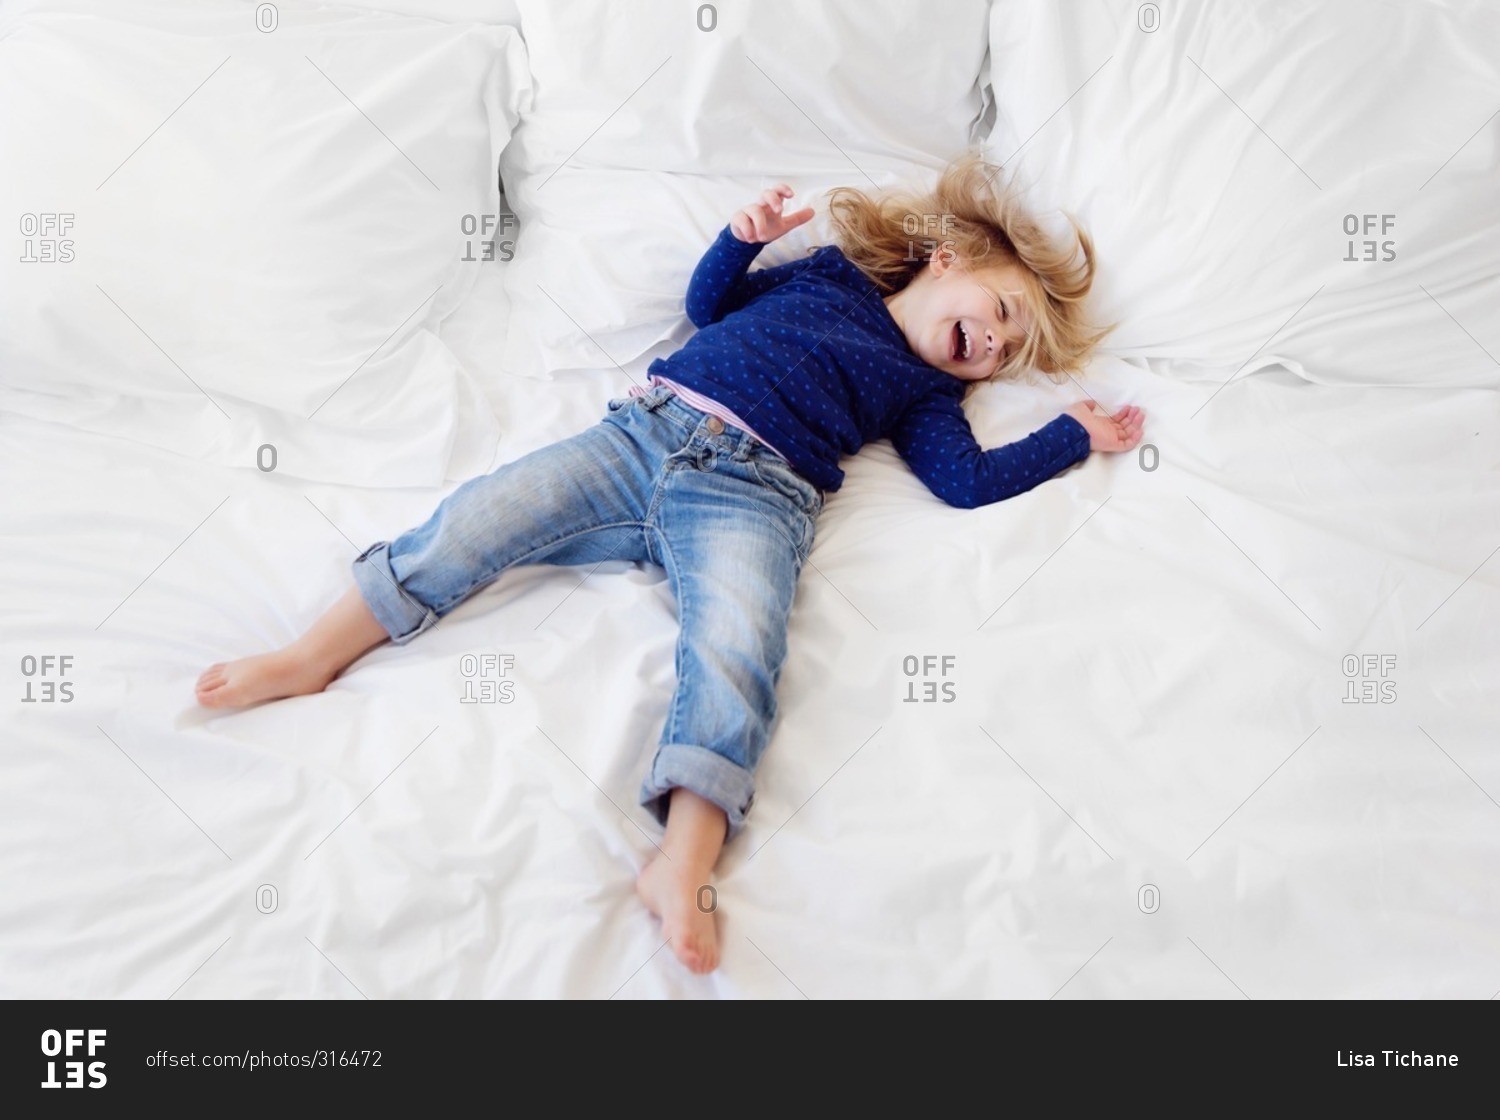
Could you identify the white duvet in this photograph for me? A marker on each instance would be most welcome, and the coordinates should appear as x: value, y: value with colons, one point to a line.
x: 1221, y: 721
x: 1149, y: 682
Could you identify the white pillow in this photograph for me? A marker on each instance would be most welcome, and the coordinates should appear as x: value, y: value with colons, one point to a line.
x: 265, y: 230
x: 1211, y: 238
x: 449, y: 11
x: 647, y: 132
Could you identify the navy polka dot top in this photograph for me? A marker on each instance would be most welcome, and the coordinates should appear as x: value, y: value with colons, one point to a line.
x: 809, y: 356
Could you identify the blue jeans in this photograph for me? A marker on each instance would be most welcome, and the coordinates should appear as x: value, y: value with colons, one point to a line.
x: 655, y: 480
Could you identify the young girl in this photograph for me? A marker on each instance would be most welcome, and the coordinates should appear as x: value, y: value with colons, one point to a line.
x: 718, y: 471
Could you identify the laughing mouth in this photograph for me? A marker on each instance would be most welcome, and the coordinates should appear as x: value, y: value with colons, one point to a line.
x: 962, y: 344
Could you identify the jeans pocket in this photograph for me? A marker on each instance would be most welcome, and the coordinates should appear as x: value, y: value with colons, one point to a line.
x: 776, y: 473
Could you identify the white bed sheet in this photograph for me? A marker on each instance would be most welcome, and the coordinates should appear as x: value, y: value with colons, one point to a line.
x: 1141, y: 657
x: 1149, y: 681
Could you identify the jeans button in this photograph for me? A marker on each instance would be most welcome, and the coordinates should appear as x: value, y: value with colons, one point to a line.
x: 715, y: 425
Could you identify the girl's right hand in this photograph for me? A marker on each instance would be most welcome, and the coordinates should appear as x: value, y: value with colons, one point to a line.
x: 763, y: 222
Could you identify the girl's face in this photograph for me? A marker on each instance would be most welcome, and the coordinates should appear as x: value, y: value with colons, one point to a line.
x: 963, y: 323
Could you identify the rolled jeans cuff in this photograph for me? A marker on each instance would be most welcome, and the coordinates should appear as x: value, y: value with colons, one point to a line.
x: 401, y: 615
x: 711, y: 776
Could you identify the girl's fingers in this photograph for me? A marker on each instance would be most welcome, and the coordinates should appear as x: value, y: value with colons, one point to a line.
x: 766, y: 219
x: 1120, y: 430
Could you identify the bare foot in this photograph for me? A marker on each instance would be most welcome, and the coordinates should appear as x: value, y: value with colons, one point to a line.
x: 672, y: 893
x: 268, y: 676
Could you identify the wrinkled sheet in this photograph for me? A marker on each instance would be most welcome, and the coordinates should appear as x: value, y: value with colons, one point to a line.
x: 1148, y: 681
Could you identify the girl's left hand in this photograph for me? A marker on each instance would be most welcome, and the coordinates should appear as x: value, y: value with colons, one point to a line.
x: 1120, y: 432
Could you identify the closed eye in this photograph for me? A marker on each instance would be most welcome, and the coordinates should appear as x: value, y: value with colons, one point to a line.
x: 1000, y: 306
x: 998, y: 302
x: 1004, y: 312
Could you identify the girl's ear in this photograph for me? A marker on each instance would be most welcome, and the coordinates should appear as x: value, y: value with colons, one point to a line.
x: 943, y: 258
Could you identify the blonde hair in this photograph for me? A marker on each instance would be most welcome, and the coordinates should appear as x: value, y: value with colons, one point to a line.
x: 979, y: 221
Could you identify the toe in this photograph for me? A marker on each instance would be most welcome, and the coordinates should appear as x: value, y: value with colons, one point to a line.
x: 705, y: 952
x: 694, y: 960
x: 216, y: 697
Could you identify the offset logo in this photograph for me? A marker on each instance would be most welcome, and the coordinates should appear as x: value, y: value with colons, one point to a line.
x: 1369, y: 225
x: 1371, y: 689
x: 928, y: 667
x: 492, y: 246
x: 74, y: 1045
x: 937, y: 228
x: 488, y: 671
x: 47, y: 691
x: 46, y: 238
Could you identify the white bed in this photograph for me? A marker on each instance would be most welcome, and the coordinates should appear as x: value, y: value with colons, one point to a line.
x: 1148, y: 784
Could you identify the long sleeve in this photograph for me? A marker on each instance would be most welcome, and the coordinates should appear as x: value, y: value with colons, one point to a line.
x: 722, y: 282
x: 935, y: 439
